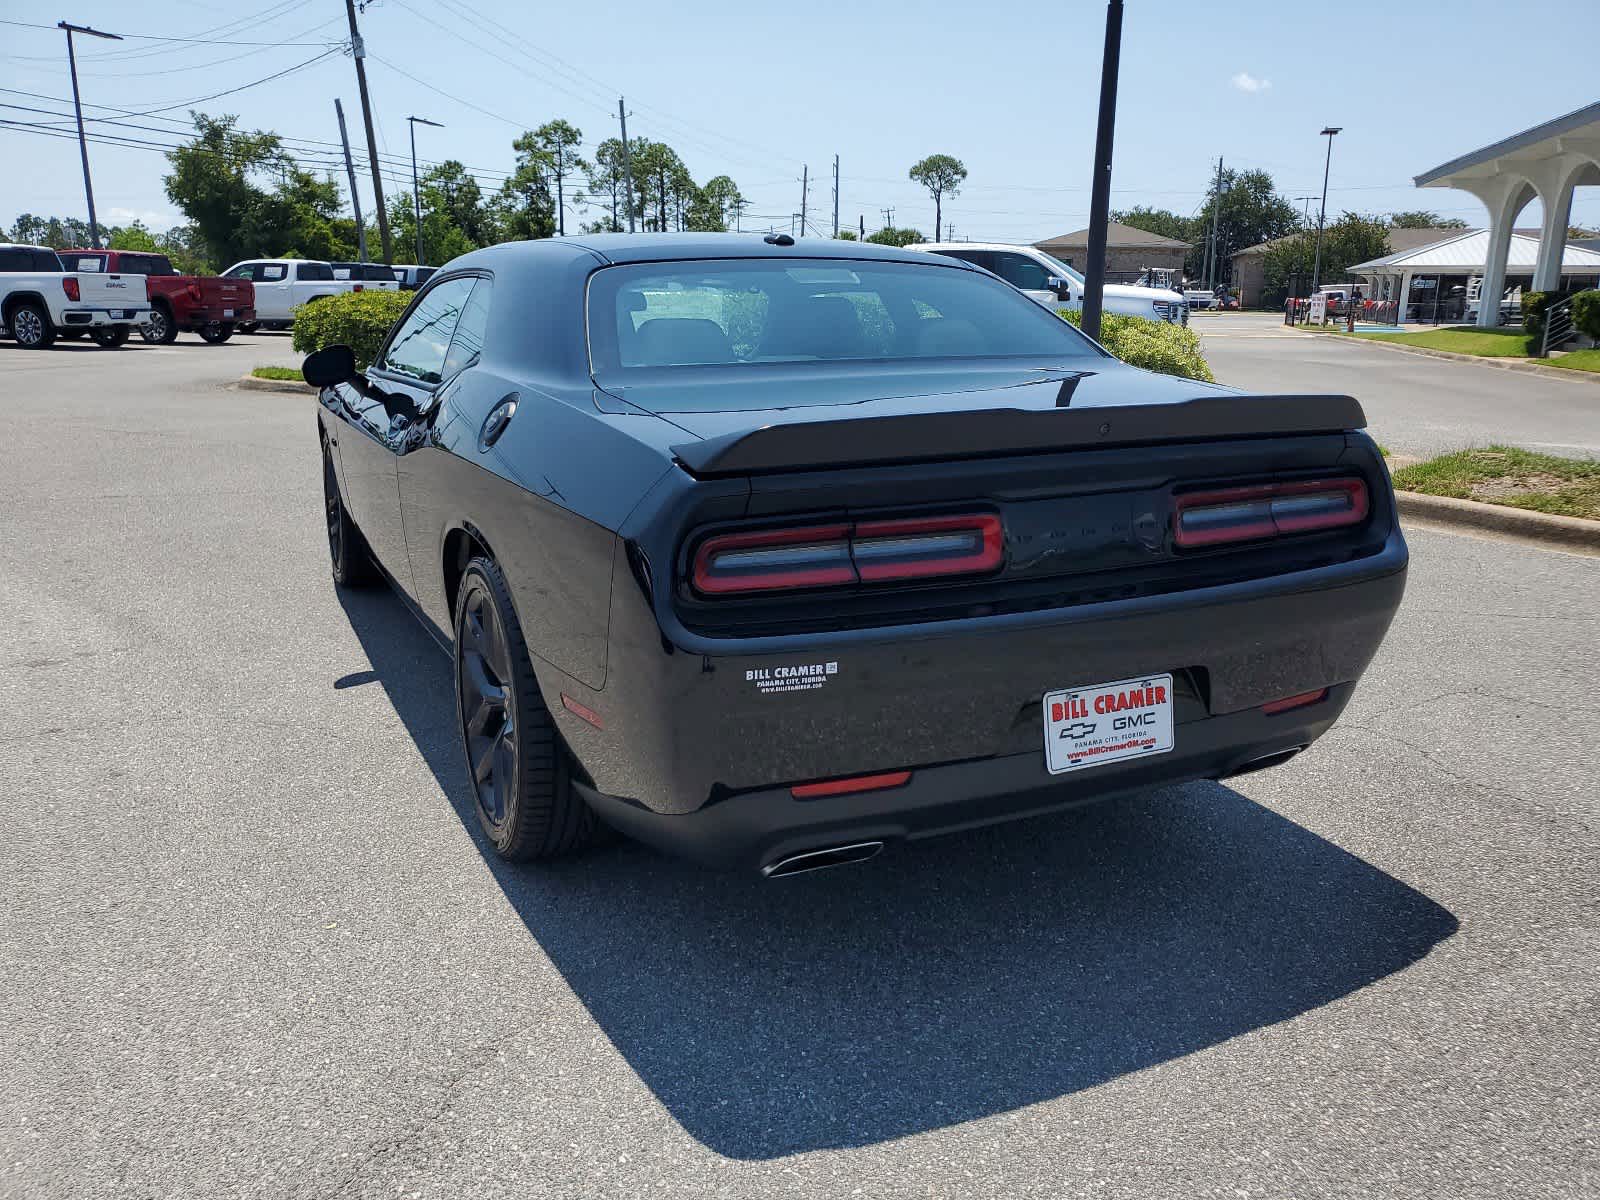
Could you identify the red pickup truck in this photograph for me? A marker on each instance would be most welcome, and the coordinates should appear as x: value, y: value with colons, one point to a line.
x: 205, y: 304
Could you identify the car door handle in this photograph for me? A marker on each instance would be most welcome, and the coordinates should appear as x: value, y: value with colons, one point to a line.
x: 495, y: 423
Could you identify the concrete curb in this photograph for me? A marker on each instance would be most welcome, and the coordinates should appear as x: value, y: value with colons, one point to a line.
x: 1503, y: 364
x: 1573, y: 534
x: 249, y: 383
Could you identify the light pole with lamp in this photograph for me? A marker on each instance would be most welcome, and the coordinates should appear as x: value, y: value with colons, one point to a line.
x: 1322, y: 214
x: 77, y: 106
x: 416, y: 194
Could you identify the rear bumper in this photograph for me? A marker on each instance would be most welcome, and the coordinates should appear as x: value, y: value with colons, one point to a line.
x: 214, y: 315
x: 754, y: 830
x: 691, y: 726
x: 83, y: 318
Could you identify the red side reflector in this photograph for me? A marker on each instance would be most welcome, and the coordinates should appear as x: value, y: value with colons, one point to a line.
x: 582, y: 711
x: 1288, y: 702
x: 856, y: 783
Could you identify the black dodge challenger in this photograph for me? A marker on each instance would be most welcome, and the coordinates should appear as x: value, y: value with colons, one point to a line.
x: 773, y: 553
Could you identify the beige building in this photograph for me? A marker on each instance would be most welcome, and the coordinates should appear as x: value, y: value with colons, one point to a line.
x: 1128, y: 251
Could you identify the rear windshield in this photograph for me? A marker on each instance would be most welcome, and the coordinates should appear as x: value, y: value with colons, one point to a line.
x: 144, y: 264
x: 724, y: 313
x: 71, y: 261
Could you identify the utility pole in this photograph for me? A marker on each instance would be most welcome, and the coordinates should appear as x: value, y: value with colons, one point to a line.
x: 862, y: 218
x: 1216, y: 213
x: 836, y: 196
x: 561, y: 174
x: 888, y: 219
x: 805, y: 182
x: 416, y: 194
x: 350, y: 170
x: 1322, y: 214
x: 1100, y: 198
x: 627, y: 164
x: 359, y: 50
x: 949, y: 231
x: 77, y: 107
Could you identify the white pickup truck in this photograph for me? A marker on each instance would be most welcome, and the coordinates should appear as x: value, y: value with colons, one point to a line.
x: 282, y: 284
x: 40, y: 302
x: 1055, y: 284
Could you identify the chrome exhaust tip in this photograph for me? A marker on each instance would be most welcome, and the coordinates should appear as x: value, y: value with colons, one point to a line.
x: 817, y: 860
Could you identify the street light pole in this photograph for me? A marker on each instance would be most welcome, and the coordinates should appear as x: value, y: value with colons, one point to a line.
x: 416, y: 194
x: 1322, y: 214
x: 77, y: 107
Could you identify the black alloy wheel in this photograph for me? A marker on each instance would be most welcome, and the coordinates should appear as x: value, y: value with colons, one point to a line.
x: 352, y: 562
x: 517, y: 765
x: 215, y: 333
x: 111, y: 337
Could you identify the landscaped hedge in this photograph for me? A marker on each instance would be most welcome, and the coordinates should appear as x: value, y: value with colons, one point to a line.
x: 360, y: 320
x: 1533, y: 309
x: 1153, y: 345
x: 1586, y: 313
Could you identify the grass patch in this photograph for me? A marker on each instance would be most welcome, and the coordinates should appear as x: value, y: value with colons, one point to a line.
x: 1506, y: 475
x: 1462, y: 339
x: 289, y: 373
x: 1578, y: 360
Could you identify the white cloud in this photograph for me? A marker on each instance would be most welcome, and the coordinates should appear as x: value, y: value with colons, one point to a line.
x: 1247, y: 82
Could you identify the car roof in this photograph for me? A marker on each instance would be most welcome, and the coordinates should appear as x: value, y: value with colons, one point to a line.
x: 671, y: 247
x: 925, y: 246
x: 26, y: 246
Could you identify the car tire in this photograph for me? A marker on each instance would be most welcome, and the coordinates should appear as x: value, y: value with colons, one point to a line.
x: 215, y: 333
x: 111, y: 337
x: 160, y: 329
x: 347, y: 549
x: 69, y: 335
x: 518, y: 768
x: 31, y: 327
x: 245, y: 327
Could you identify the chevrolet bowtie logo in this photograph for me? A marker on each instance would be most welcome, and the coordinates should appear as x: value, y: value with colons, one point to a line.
x: 1078, y: 729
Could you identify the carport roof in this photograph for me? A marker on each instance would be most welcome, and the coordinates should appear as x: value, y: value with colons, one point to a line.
x: 1469, y: 251
x: 1542, y: 141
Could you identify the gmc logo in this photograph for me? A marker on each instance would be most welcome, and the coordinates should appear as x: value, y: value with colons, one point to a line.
x: 1135, y: 721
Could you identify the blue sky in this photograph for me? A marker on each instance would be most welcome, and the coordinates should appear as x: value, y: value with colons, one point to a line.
x: 758, y: 91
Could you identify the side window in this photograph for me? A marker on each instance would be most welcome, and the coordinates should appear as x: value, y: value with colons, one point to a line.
x: 242, y: 271
x: 271, y: 272
x: 314, y: 271
x: 47, y: 260
x: 417, y: 350
x: 14, y: 261
x: 1021, y: 272
x: 468, y: 341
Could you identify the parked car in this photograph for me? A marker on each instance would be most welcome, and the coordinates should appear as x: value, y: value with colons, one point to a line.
x: 282, y: 284
x: 772, y: 553
x: 1054, y: 284
x: 411, y: 276
x: 372, y: 277
x: 40, y: 301
x: 1199, y: 298
x: 208, y: 305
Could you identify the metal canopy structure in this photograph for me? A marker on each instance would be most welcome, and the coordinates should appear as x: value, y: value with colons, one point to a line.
x: 1547, y: 161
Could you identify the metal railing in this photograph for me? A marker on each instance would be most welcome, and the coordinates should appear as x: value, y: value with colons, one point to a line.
x: 1557, y: 327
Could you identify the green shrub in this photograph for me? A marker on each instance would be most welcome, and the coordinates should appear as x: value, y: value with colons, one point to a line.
x: 360, y: 320
x: 1533, y: 309
x: 1154, y: 345
x: 1586, y: 313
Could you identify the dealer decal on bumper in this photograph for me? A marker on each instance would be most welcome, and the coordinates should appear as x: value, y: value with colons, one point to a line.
x: 800, y: 677
x: 1107, y: 723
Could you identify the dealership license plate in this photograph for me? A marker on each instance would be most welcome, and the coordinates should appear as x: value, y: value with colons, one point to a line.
x: 1109, y: 722
x: 117, y: 314
x: 227, y: 312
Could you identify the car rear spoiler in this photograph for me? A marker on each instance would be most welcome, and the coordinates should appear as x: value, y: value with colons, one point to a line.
x: 980, y: 433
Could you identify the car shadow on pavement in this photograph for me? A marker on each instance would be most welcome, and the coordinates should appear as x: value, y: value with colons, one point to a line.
x: 947, y: 980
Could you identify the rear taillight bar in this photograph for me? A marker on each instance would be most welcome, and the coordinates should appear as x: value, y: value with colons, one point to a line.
x: 838, y: 555
x: 1267, y: 510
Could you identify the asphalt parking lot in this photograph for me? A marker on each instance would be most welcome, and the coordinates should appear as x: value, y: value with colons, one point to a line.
x: 252, y: 944
x: 1416, y: 404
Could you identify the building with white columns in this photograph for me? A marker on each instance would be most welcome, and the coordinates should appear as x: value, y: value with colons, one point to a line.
x: 1548, y: 161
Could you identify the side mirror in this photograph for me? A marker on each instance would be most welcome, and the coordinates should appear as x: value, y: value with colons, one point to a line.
x: 328, y: 366
x: 1061, y: 287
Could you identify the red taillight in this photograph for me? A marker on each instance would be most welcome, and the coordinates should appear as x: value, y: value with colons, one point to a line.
x: 194, y: 292
x: 855, y: 783
x: 69, y: 285
x: 818, y: 556
x: 358, y: 287
x: 1288, y: 702
x: 1267, y: 510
